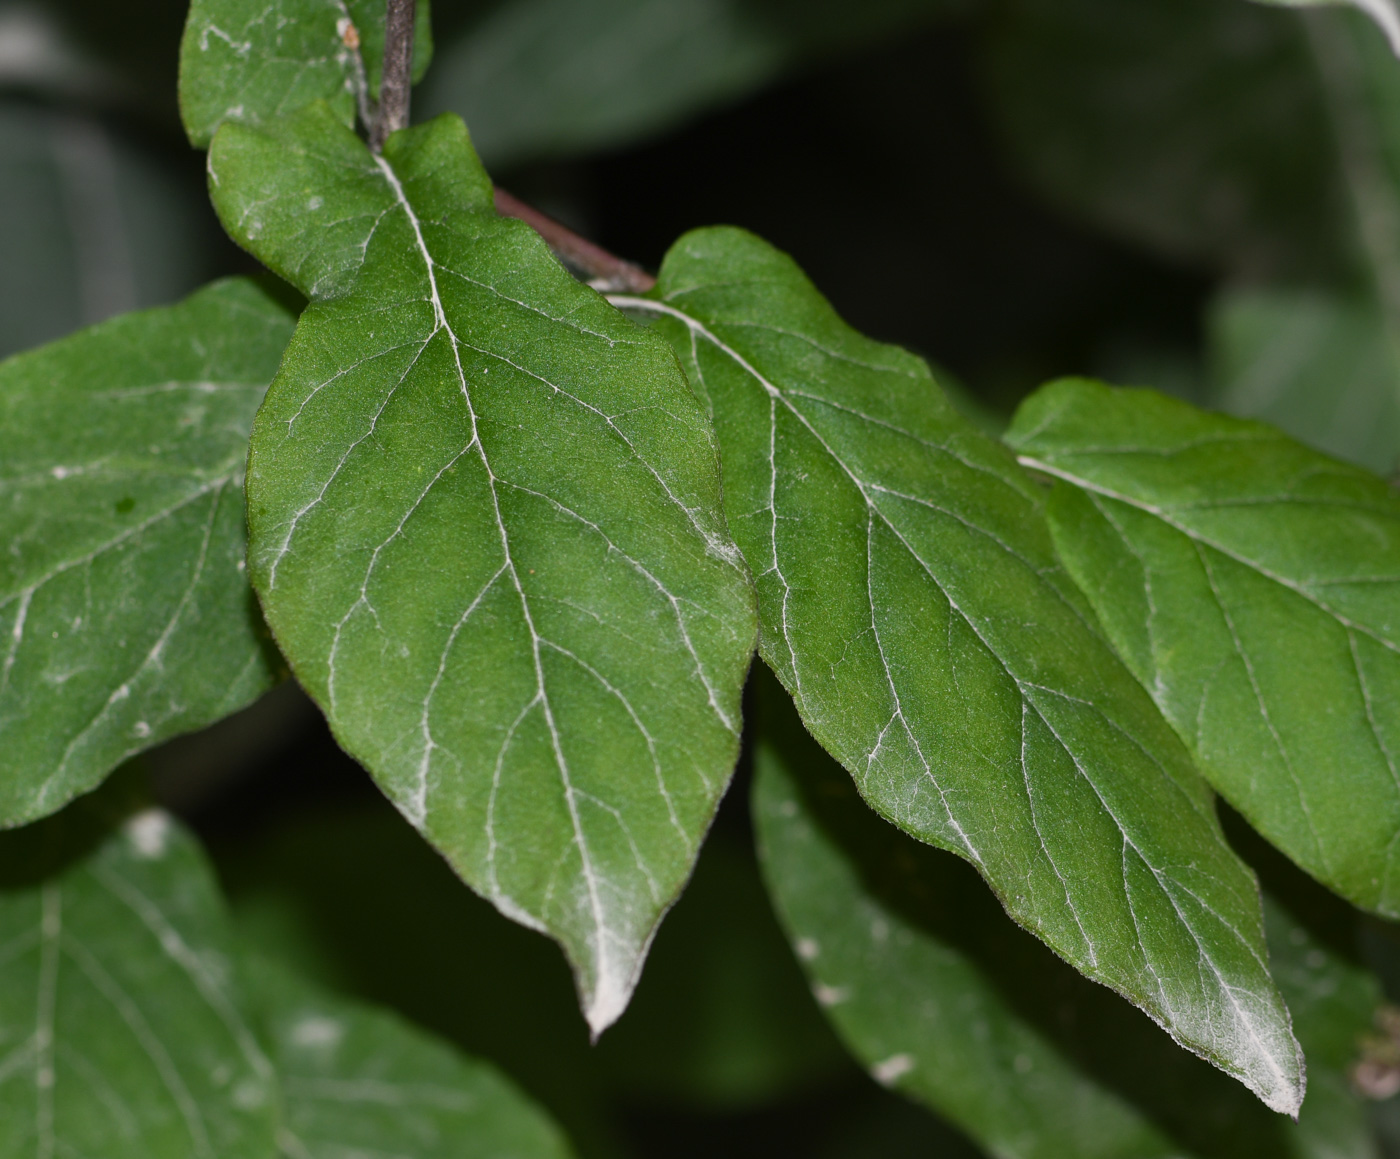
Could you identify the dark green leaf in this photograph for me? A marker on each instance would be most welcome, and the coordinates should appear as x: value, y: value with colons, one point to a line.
x: 1251, y: 585
x: 1322, y: 366
x: 122, y: 1027
x: 914, y: 1009
x: 486, y: 529
x: 911, y: 602
x: 250, y: 60
x: 1383, y: 12
x: 358, y: 1081
x: 125, y: 611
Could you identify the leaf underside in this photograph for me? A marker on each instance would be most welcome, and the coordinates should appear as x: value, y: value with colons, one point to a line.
x: 486, y: 529
x: 911, y: 602
x: 359, y: 1081
x: 253, y: 60
x: 125, y: 611
x: 124, y: 1032
x: 1253, y: 586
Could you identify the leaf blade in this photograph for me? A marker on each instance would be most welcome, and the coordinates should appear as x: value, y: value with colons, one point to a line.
x: 1262, y: 567
x: 910, y: 601
x: 124, y: 607
x: 546, y: 498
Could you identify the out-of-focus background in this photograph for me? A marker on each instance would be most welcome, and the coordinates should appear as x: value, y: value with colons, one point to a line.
x: 1202, y: 196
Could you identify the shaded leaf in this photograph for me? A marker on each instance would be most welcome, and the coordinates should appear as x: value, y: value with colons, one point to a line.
x: 911, y: 602
x: 1383, y: 12
x: 90, y: 226
x: 357, y: 1081
x: 550, y: 77
x: 1320, y: 365
x: 251, y: 60
x: 1251, y: 585
x: 916, y: 1010
x: 486, y: 530
x: 125, y: 612
x: 1196, y: 126
x: 123, y: 1028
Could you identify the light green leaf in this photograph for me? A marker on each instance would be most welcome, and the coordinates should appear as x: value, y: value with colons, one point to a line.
x: 551, y: 77
x: 1251, y: 585
x: 486, y: 530
x: 125, y: 612
x: 1383, y: 12
x: 122, y: 1027
x: 911, y: 602
x: 916, y: 1010
x: 1320, y: 365
x: 251, y: 60
x: 359, y: 1081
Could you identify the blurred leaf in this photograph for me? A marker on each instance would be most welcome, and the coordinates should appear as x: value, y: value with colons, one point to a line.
x: 1196, y: 126
x: 246, y: 61
x: 1322, y: 366
x: 1251, y: 585
x: 124, y: 603
x: 911, y: 601
x: 124, y: 1030
x: 913, y: 1009
x: 90, y: 226
x: 1383, y: 12
x: 536, y: 636
x: 552, y: 77
x: 358, y: 1081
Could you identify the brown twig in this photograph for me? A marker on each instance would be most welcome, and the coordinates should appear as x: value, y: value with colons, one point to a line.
x: 396, y: 79
x: 604, y: 270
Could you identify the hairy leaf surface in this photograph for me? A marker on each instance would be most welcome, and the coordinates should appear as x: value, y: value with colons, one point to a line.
x: 911, y: 602
x: 1253, y: 586
x: 123, y: 1029
x: 360, y: 1081
x: 915, y: 1009
x: 486, y: 528
x: 125, y: 611
x: 251, y: 60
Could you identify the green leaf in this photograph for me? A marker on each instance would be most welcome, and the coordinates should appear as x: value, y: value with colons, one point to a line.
x: 1383, y: 12
x: 911, y: 602
x: 251, y: 60
x: 1322, y: 366
x: 915, y: 1009
x: 552, y: 77
x: 486, y: 528
x: 125, y: 611
x: 359, y: 1081
x: 123, y: 1029
x: 1251, y: 585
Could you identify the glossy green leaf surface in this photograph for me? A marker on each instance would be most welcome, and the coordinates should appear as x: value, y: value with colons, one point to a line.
x: 125, y: 611
x: 251, y: 60
x: 911, y: 602
x: 486, y: 529
x: 1383, y: 12
x: 359, y: 1081
x: 124, y: 1031
x: 1322, y: 366
x: 1251, y: 585
x: 915, y: 1010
